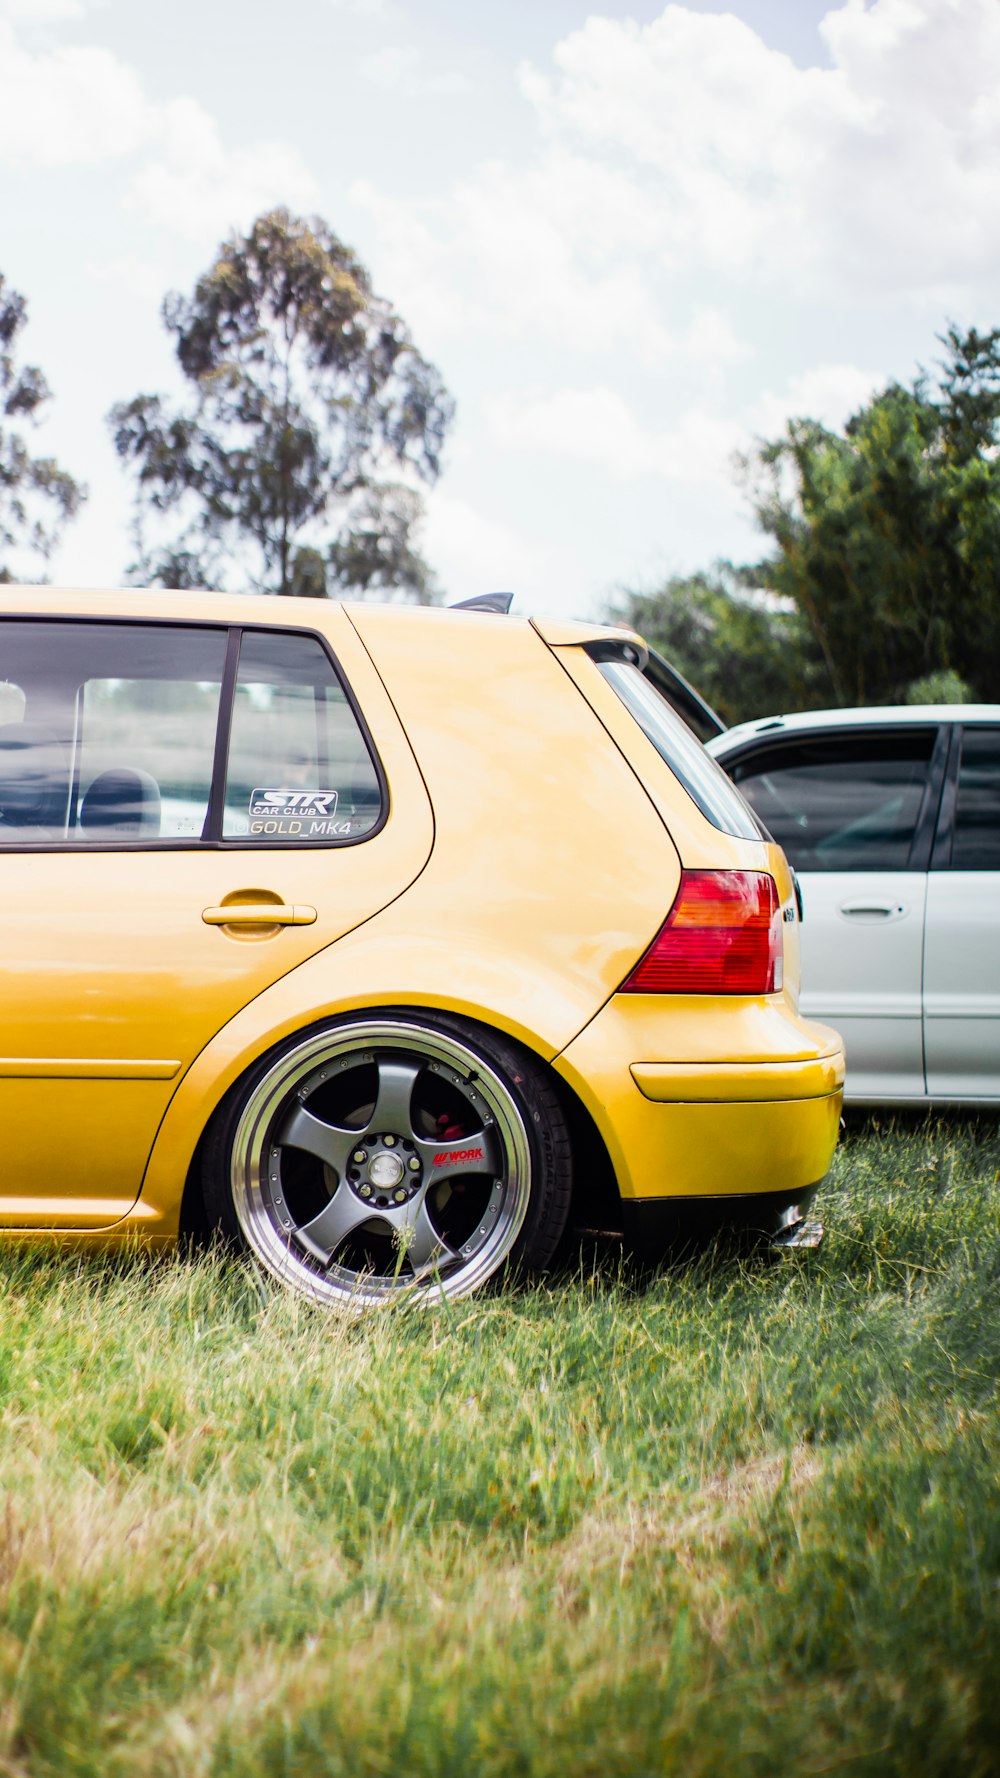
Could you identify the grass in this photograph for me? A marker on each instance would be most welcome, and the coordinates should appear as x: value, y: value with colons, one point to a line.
x: 739, y: 1519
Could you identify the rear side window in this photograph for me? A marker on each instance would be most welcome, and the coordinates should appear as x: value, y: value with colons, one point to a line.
x: 705, y: 782
x: 976, y: 844
x: 117, y: 734
x: 844, y: 802
x: 299, y: 771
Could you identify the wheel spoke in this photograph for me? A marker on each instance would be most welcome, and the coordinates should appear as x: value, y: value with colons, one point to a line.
x: 328, y: 1143
x: 467, y: 1154
x: 396, y: 1081
x: 323, y: 1235
x: 423, y: 1244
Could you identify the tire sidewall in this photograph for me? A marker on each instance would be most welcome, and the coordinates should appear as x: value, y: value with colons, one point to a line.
x: 522, y: 1075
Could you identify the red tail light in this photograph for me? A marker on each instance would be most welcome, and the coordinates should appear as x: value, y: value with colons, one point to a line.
x: 722, y: 936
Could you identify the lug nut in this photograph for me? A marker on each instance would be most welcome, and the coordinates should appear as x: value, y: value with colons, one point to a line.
x: 414, y: 1165
x: 366, y: 1191
x: 389, y: 1141
x: 400, y: 1197
x: 360, y: 1156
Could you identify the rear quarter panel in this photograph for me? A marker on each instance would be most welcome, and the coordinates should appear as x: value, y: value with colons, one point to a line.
x: 549, y: 875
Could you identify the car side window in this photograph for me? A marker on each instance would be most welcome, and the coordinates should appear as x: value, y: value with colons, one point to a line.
x: 841, y: 803
x: 299, y: 769
x: 976, y: 844
x: 107, y: 731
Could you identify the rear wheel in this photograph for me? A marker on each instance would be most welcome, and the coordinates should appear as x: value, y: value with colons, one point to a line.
x: 391, y: 1155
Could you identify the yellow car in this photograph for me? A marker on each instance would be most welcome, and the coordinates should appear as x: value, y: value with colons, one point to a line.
x: 389, y: 941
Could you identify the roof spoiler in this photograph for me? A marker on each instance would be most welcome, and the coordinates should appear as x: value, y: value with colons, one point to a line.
x: 498, y: 602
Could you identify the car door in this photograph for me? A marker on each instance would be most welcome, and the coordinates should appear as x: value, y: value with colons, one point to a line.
x: 187, y: 812
x: 962, y: 944
x: 853, y: 810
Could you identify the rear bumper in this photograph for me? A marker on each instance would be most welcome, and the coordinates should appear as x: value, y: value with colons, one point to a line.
x: 741, y: 1100
x: 739, y: 1082
x: 653, y: 1225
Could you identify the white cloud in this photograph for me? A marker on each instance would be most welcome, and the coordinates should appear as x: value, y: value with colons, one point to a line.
x: 382, y: 10
x: 42, y: 12
x: 884, y: 167
x: 829, y: 393
x: 499, y: 258
x: 73, y: 106
x: 195, y: 185
x: 687, y: 150
x: 140, y: 278
x: 475, y: 553
x: 81, y: 106
x: 400, y: 69
x: 597, y: 427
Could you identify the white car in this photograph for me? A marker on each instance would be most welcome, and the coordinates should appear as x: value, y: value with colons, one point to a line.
x: 891, y: 819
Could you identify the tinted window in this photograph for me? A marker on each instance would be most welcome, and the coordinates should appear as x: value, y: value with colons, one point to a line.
x: 299, y: 770
x: 705, y: 782
x: 107, y: 731
x: 977, y: 815
x: 849, y: 803
x: 139, y: 730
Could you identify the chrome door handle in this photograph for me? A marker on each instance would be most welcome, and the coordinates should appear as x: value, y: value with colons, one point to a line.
x: 260, y: 913
x: 872, y: 910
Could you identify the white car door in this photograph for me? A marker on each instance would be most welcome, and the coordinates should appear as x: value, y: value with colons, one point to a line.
x: 854, y: 812
x: 962, y: 946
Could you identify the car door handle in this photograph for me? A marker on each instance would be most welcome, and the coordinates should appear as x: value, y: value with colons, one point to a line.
x: 867, y: 909
x: 260, y: 913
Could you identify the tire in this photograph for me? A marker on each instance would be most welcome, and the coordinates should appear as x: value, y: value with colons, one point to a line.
x: 388, y: 1156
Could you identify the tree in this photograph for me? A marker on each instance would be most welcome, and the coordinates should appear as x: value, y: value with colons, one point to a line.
x: 884, y: 582
x: 295, y: 467
x: 888, y: 534
x: 36, y: 496
x: 745, y: 652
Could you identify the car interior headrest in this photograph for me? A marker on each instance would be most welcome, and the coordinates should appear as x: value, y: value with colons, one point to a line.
x: 123, y: 800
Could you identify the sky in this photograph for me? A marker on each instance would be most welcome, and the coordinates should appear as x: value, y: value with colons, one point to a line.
x: 632, y: 238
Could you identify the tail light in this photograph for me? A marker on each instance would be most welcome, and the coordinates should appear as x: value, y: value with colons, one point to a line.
x: 722, y: 936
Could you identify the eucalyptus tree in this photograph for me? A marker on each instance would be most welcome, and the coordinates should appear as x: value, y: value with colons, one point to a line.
x: 310, y: 424
x: 36, y: 496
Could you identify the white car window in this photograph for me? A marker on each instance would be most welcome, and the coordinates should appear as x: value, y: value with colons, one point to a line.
x: 845, y: 803
x: 976, y: 845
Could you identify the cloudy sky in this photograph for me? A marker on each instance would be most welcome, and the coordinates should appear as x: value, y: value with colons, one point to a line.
x: 632, y: 237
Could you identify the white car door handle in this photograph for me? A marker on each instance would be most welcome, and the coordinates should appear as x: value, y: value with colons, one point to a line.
x: 867, y: 909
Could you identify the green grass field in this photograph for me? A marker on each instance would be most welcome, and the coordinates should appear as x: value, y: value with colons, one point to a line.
x: 743, y: 1519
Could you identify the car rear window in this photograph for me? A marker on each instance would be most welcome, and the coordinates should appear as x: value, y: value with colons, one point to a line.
x: 705, y: 782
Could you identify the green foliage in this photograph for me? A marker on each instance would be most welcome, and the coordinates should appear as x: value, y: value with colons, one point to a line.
x: 36, y: 496
x: 942, y: 687
x: 884, y: 584
x: 747, y: 653
x: 313, y: 416
x: 888, y: 535
x: 743, y: 1518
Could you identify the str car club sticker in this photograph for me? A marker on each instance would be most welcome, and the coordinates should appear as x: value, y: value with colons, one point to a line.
x: 308, y: 814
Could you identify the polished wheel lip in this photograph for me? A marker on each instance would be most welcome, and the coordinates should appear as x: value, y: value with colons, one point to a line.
x: 253, y: 1145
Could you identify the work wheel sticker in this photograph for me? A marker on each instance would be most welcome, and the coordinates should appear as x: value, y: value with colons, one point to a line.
x: 305, y: 814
